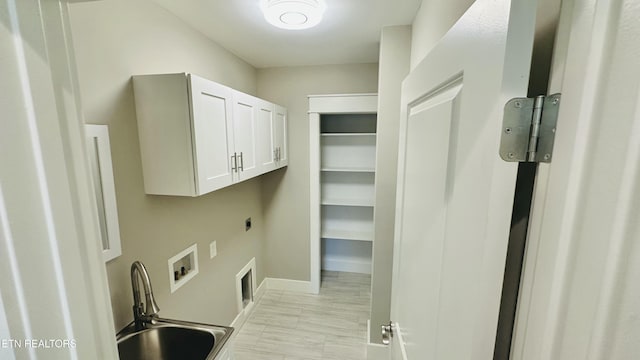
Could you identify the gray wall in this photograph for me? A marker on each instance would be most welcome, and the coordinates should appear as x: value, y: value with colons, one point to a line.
x: 285, y: 193
x: 118, y: 38
x: 115, y: 39
x: 432, y: 21
x: 395, y: 51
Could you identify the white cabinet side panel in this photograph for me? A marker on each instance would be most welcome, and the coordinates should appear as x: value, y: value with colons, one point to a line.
x: 281, y: 138
x: 164, y: 131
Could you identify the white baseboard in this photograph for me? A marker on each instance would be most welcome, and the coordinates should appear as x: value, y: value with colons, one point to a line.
x: 375, y: 351
x: 238, y: 321
x: 346, y: 266
x: 289, y: 285
x: 260, y: 290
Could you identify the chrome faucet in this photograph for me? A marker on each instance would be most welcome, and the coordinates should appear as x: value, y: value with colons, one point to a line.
x: 151, y: 309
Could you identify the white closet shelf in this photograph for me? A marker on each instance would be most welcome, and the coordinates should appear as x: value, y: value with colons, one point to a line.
x: 347, y: 202
x: 347, y: 235
x: 348, y: 169
x: 348, y: 134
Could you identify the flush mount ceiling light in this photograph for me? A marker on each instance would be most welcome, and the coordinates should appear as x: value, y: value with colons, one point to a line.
x: 293, y: 14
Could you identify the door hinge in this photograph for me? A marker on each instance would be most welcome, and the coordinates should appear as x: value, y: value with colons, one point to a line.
x: 387, y: 333
x: 528, y: 129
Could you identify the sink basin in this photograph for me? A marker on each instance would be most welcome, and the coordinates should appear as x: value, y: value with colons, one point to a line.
x: 166, y: 339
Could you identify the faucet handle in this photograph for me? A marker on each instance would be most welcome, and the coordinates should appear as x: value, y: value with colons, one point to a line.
x: 152, y: 307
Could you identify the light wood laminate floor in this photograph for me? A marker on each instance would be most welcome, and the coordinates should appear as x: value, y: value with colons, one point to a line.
x: 292, y: 326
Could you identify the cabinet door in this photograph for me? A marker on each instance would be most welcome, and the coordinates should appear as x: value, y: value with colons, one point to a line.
x: 245, y: 108
x: 266, y: 136
x: 282, y: 158
x: 211, y: 106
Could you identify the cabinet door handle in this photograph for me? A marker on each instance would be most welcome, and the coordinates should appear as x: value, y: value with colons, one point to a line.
x: 279, y: 153
x: 234, y: 162
x: 241, y: 162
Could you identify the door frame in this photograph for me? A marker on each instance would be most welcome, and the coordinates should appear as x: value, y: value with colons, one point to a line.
x: 46, y: 182
x: 366, y: 103
x: 580, y: 57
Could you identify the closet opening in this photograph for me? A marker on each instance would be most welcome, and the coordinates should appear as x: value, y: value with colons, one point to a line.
x: 347, y: 191
x: 342, y: 166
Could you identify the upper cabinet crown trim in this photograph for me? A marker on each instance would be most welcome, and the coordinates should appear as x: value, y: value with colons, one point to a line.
x: 343, y: 104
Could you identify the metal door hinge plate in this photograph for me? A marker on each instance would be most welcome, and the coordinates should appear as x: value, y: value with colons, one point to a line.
x: 387, y: 333
x: 528, y: 129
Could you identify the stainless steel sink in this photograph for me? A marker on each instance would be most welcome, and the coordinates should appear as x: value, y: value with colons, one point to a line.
x: 165, y: 339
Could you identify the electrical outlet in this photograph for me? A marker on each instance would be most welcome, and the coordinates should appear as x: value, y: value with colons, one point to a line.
x: 213, y: 249
x: 247, y: 224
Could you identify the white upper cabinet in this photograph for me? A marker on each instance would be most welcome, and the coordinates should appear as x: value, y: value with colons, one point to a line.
x: 245, y: 136
x: 280, y: 139
x: 197, y: 136
x: 272, y: 136
x: 210, y: 123
x: 266, y: 135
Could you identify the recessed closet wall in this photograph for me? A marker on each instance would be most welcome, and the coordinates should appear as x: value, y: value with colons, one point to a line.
x: 347, y: 191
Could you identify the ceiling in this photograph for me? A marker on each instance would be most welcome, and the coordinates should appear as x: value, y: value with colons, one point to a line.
x: 349, y: 32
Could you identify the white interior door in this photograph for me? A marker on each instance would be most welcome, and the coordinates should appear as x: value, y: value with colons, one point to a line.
x: 54, y: 282
x: 580, y: 294
x: 212, y: 133
x: 455, y: 194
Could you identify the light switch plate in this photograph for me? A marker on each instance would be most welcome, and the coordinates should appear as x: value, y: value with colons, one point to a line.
x: 213, y: 249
